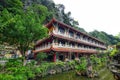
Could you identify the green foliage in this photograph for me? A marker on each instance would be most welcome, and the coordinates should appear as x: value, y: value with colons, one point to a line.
x: 21, y: 29
x: 98, y: 61
x: 116, y: 50
x: 95, y: 60
x: 6, y: 77
x: 13, y: 6
x: 118, y: 35
x: 1, y: 67
x: 19, y: 25
x: 83, y: 64
x: 60, y: 63
x: 118, y: 45
x: 103, y: 59
x: 40, y: 56
x: 113, y: 52
x: 109, y: 39
x: 81, y: 29
x: 71, y: 63
x: 14, y: 70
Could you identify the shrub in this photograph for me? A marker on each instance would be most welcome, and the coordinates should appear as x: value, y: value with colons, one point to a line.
x: 83, y: 64
x: 14, y: 70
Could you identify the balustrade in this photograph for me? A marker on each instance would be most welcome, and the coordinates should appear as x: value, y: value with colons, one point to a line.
x: 58, y: 45
x: 42, y: 47
x: 86, y: 40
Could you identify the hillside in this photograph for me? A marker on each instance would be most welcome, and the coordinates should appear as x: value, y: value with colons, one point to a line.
x: 107, y: 38
x: 58, y: 11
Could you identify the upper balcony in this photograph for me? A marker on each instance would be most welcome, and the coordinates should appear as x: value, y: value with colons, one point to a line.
x: 80, y: 38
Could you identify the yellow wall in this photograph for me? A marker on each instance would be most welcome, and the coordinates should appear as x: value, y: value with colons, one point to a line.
x: 51, y: 29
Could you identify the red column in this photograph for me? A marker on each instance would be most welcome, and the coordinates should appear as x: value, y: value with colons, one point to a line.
x: 76, y: 55
x: 54, y: 57
x: 35, y: 54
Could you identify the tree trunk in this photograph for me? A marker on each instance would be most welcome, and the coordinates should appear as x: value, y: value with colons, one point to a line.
x: 23, y: 49
x: 24, y: 57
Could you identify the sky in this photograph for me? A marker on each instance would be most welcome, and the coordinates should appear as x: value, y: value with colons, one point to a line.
x: 101, y: 15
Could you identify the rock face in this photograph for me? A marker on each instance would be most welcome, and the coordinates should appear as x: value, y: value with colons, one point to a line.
x: 52, y: 71
x: 115, y: 69
x: 115, y: 66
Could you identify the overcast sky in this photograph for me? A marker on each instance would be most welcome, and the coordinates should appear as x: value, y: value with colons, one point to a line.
x: 102, y: 15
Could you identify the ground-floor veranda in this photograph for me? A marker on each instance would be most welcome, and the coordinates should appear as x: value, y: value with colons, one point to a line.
x: 64, y: 56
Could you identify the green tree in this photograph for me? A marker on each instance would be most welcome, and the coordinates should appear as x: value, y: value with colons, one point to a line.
x: 22, y: 29
x: 108, y: 39
x: 40, y: 57
x: 13, y: 6
x: 118, y: 35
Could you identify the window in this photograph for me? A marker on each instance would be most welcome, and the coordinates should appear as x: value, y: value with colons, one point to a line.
x: 77, y: 36
x: 79, y: 46
x: 71, y: 34
x: 61, y: 43
x: 73, y: 45
x: 61, y: 30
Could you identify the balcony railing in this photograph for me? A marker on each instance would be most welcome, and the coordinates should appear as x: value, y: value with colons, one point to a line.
x: 63, y: 46
x: 73, y: 47
x: 44, y: 47
x: 79, y: 39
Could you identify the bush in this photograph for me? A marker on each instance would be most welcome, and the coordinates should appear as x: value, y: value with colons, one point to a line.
x: 83, y: 64
x: 14, y: 70
x: 40, y: 57
x: 6, y: 77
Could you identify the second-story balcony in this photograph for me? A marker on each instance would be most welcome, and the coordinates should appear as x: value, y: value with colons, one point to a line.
x: 65, y: 47
x: 43, y: 47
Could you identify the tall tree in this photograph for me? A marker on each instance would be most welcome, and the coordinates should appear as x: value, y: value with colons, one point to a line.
x: 21, y: 29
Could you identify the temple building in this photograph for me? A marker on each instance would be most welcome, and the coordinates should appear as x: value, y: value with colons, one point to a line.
x: 67, y: 43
